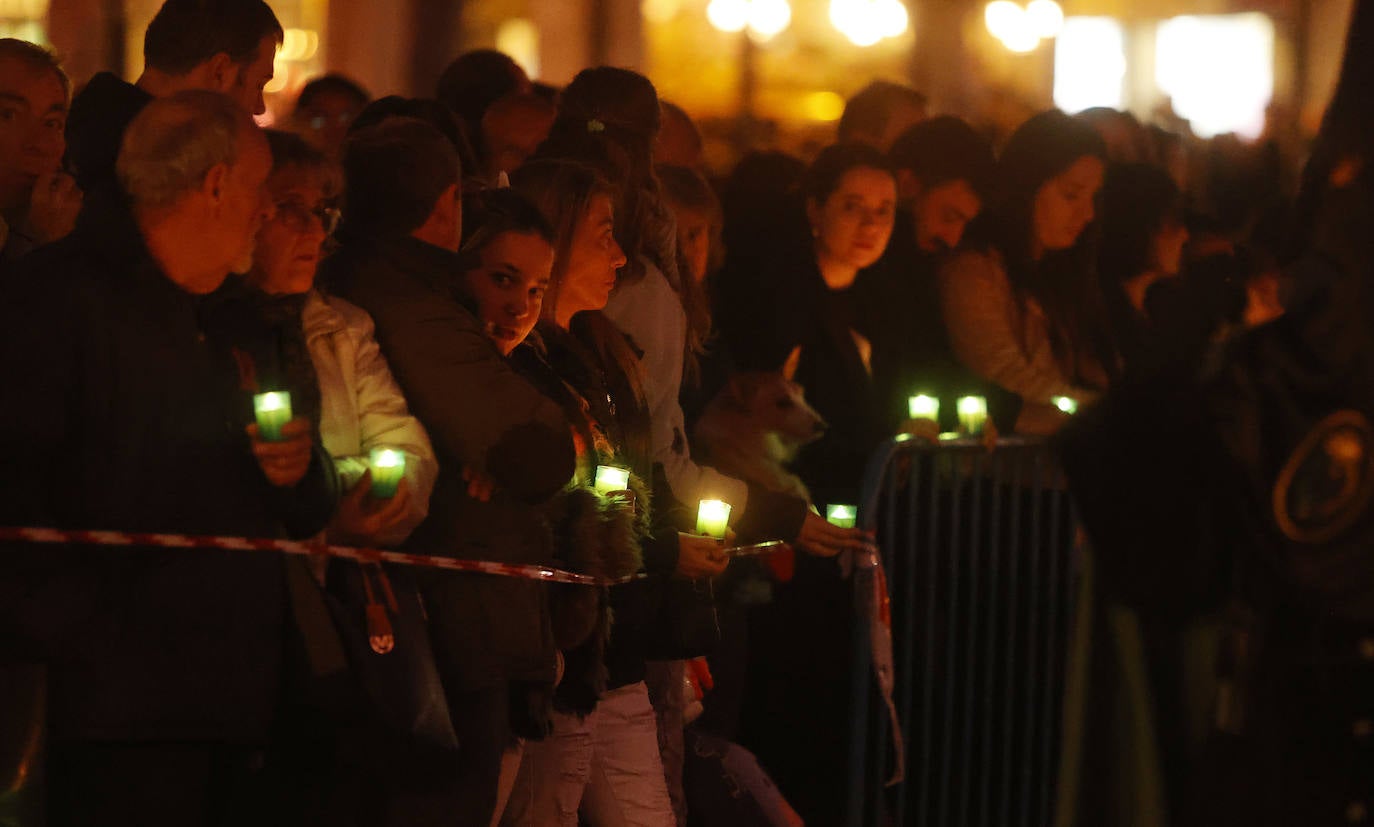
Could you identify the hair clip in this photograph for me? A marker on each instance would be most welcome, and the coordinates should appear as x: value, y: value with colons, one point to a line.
x: 594, y: 125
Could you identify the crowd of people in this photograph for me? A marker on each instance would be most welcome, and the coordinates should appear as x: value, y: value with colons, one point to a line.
x: 513, y: 286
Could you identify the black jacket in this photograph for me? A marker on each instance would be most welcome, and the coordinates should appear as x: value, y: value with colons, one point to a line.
x: 897, y: 307
x: 790, y: 306
x: 95, y: 127
x: 121, y: 413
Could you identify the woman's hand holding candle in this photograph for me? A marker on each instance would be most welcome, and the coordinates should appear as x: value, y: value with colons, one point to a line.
x: 821, y: 539
x: 699, y: 556
x: 361, y: 517
x: 284, y: 461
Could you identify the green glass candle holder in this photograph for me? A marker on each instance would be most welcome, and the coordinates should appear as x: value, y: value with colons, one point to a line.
x: 713, y: 517
x: 388, y: 468
x: 272, y: 410
x: 843, y: 516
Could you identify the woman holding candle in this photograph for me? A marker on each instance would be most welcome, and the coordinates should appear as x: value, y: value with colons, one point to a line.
x: 607, y: 762
x: 1022, y: 301
x: 798, y: 316
x: 492, y: 636
x: 360, y: 406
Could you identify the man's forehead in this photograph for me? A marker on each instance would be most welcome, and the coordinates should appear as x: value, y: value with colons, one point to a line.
x: 35, y: 84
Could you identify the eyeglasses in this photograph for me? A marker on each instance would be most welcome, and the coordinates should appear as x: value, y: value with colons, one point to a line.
x: 297, y: 216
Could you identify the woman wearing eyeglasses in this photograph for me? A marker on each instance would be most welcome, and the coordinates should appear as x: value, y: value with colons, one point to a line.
x: 360, y: 406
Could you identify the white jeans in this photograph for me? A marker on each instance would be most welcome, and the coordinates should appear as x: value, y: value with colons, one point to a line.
x: 606, y: 765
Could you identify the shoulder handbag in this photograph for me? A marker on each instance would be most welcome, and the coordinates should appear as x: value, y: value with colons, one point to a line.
x: 371, y: 618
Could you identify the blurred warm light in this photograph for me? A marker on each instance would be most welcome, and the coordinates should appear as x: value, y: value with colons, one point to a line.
x: 660, y: 11
x: 1089, y: 64
x: 865, y: 22
x: 1022, y: 28
x: 1218, y: 70
x: 765, y: 19
x: 519, y: 38
x: 728, y: 15
x: 1003, y: 18
x: 280, y: 79
x: 1045, y: 17
x: 298, y: 44
x: 823, y: 106
x: 23, y: 9
x: 768, y: 18
x: 1022, y: 41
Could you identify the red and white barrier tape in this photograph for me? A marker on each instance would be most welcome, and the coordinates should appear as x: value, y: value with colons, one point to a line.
x: 363, y: 555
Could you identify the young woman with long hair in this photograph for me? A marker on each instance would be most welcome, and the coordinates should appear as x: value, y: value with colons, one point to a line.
x: 1022, y: 300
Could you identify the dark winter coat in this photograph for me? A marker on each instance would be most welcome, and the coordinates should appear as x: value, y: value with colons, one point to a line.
x: 121, y: 413
x: 481, y: 414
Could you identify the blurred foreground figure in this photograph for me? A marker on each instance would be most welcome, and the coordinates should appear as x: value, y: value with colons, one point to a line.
x: 326, y: 107
x: 224, y: 46
x: 878, y: 113
x: 1243, y: 491
x: 163, y: 667
x: 38, y: 202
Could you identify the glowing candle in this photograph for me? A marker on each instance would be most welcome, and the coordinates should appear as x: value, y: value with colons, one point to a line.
x: 609, y: 478
x: 388, y: 467
x: 1066, y: 404
x: 843, y: 516
x: 272, y: 410
x: 923, y: 407
x: 712, y: 518
x: 973, y: 414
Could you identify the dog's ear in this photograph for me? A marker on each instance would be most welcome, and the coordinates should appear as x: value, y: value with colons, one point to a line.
x: 741, y: 389
x: 789, y: 368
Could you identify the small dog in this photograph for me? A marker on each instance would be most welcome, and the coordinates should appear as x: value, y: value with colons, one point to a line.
x: 754, y: 428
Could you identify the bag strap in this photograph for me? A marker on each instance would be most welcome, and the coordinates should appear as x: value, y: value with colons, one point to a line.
x: 323, y: 649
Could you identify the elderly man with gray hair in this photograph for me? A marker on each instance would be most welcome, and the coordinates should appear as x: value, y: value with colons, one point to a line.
x: 163, y: 668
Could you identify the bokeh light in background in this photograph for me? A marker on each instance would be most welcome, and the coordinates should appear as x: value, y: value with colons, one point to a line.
x: 769, y: 18
x: 24, y: 19
x: 1218, y: 70
x: 865, y: 22
x: 728, y: 15
x: 1022, y: 28
x: 823, y: 106
x: 519, y: 38
x: 1090, y: 64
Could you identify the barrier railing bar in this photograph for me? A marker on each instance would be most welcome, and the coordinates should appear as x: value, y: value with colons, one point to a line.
x: 974, y: 556
x: 997, y: 481
x: 932, y: 580
x: 951, y: 639
x: 1052, y: 674
x: 907, y: 665
x: 1033, y: 640
x: 1013, y: 602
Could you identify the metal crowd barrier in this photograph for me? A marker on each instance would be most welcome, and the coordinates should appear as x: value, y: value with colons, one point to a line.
x: 980, y: 551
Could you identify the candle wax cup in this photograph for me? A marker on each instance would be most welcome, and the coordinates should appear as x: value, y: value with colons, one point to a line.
x: 1066, y: 404
x: 923, y: 407
x: 271, y: 410
x: 843, y: 516
x: 609, y: 478
x: 973, y: 414
x: 713, y: 516
x: 388, y: 468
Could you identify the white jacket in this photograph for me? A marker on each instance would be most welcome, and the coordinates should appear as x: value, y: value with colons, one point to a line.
x: 361, y: 407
